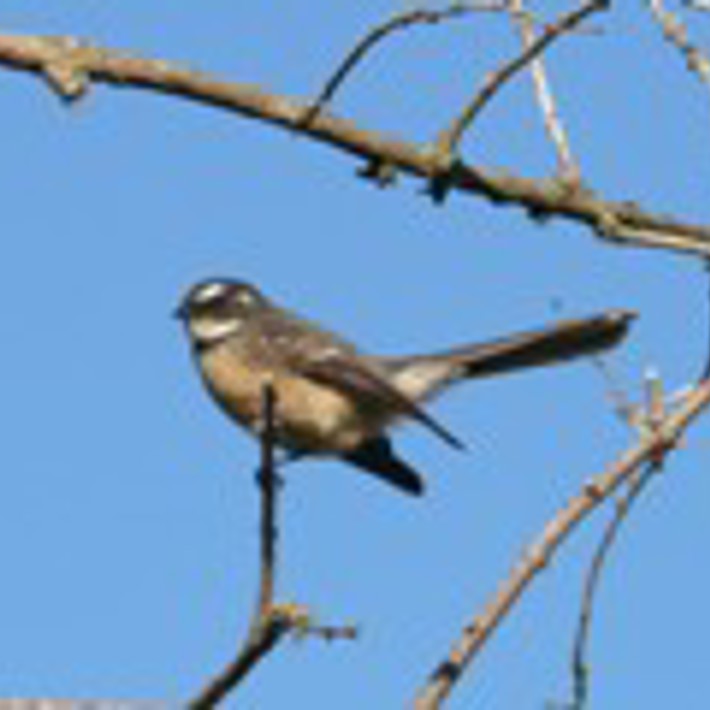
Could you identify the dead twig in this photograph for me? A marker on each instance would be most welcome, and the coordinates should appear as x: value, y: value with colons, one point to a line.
x: 263, y: 636
x: 705, y: 374
x: 380, y: 32
x: 555, y: 532
x: 621, y: 222
x: 449, y: 140
x: 647, y: 419
x: 568, y: 168
x: 580, y: 667
x: 269, y: 484
x: 271, y: 621
x: 676, y: 33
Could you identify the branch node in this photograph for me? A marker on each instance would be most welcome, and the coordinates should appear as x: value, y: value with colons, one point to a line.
x: 445, y: 176
x: 66, y: 65
x: 380, y: 171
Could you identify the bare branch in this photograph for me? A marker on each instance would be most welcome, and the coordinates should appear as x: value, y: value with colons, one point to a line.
x: 269, y: 484
x: 580, y: 672
x: 567, y: 166
x: 475, y: 634
x: 271, y: 621
x: 617, y: 221
x: 647, y: 419
x: 449, y: 140
x: 705, y: 374
x: 676, y: 33
x: 263, y: 637
x: 380, y: 32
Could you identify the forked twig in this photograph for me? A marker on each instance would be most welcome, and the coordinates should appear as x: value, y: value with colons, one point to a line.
x: 555, y: 532
x: 380, y: 32
x: 646, y: 419
x: 269, y: 485
x: 449, y: 140
x: 580, y: 667
x: 263, y: 636
x: 271, y: 621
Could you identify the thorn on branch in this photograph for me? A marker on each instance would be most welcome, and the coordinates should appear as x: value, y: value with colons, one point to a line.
x: 381, y: 172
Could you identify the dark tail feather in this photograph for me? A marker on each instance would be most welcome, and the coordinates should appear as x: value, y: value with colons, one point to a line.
x: 377, y: 457
x: 562, y: 341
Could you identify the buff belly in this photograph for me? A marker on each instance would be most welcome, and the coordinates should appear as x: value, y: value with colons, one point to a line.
x: 309, y: 416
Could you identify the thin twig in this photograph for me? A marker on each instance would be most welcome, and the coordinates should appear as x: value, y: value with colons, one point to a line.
x: 270, y: 622
x: 626, y: 410
x: 580, y: 667
x: 269, y: 485
x: 676, y: 33
x: 648, y: 419
x: 568, y: 168
x: 621, y: 221
x: 449, y: 140
x: 555, y: 532
x: 380, y: 32
x: 705, y: 374
x: 262, y: 638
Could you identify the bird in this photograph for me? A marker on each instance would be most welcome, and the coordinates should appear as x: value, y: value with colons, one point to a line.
x: 331, y: 398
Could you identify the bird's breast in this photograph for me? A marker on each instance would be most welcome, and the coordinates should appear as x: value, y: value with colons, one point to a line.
x: 309, y: 416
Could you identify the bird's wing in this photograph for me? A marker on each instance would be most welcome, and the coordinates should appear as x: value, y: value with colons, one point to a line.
x: 349, y: 375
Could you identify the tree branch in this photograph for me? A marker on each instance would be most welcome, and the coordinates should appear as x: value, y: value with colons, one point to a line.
x: 271, y: 622
x: 79, y: 64
x: 450, y: 139
x: 475, y: 634
x: 580, y: 667
x: 399, y: 22
x: 676, y: 34
x: 567, y: 169
x: 268, y: 630
x: 269, y: 484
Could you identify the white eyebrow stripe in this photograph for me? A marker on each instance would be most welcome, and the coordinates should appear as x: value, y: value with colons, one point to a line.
x: 209, y: 292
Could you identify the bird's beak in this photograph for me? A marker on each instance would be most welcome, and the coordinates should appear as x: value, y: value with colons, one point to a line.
x: 180, y: 313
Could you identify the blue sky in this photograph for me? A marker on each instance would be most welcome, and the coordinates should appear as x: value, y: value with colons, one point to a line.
x: 129, y: 514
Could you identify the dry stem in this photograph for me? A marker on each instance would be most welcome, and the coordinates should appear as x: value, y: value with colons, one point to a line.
x: 555, y: 532
x: 448, y: 142
x: 618, y: 221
